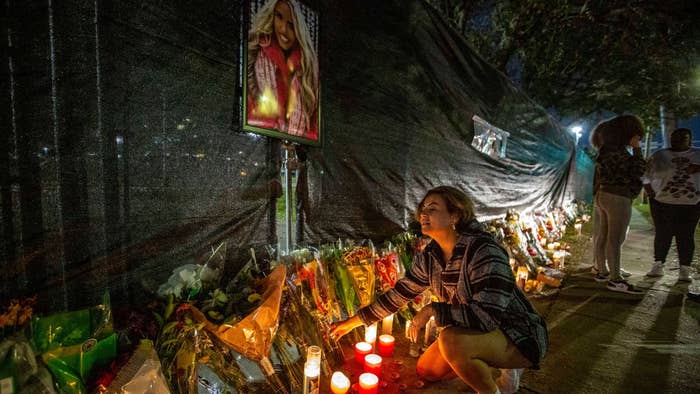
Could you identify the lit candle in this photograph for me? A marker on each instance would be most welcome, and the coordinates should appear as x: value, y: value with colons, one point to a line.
x: 361, y: 350
x: 522, y: 276
x: 577, y: 227
x: 371, y: 334
x: 369, y: 383
x: 312, y: 372
x: 340, y: 384
x: 387, y: 324
x: 562, y: 228
x: 373, y: 363
x: 385, y: 347
x: 428, y: 331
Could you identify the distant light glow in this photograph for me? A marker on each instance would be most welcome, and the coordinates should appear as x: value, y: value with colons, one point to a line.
x: 576, y: 130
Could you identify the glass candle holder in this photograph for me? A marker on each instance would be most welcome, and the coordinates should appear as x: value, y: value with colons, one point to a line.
x: 361, y: 350
x: 313, y: 354
x: 373, y: 364
x: 368, y: 383
x: 340, y: 384
x: 312, y: 378
x: 385, y: 346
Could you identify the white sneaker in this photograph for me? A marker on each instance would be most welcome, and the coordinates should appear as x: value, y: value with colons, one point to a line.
x: 657, y: 270
x: 509, y: 381
x: 684, y: 274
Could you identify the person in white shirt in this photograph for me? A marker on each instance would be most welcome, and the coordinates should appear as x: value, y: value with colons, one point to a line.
x: 672, y: 181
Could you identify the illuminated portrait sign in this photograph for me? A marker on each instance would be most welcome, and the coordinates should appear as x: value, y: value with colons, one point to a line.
x: 281, y: 95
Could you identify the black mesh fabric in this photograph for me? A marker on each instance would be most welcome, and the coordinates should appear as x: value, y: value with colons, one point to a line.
x: 121, y: 156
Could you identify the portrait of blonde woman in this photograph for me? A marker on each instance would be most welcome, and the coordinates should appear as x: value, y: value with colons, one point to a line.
x: 282, y: 91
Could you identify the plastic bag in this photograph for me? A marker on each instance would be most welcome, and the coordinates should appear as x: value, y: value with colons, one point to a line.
x: 72, y: 343
x: 72, y: 328
x: 71, y: 365
x: 142, y: 374
x: 19, y: 371
x: 252, y: 336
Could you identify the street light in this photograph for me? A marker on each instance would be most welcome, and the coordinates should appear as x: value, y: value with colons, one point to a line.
x: 577, y: 132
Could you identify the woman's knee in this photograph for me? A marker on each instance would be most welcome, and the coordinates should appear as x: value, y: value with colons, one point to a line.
x: 428, y: 374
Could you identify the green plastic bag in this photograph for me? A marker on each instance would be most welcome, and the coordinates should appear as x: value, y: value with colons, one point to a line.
x: 72, y: 328
x: 72, y: 343
x: 71, y: 365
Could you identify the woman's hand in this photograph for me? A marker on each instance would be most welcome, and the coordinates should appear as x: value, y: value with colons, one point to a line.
x: 344, y: 326
x: 419, y: 321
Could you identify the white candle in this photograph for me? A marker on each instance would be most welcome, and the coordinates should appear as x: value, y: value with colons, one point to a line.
x: 428, y: 329
x: 371, y: 334
x: 312, y: 372
x: 388, y: 324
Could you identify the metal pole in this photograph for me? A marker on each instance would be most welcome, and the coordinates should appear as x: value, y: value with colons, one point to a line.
x: 287, y: 201
x: 662, y: 118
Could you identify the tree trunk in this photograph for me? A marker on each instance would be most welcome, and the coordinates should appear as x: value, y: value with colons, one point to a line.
x: 668, y: 124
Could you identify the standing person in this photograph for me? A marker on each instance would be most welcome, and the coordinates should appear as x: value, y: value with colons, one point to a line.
x: 672, y: 181
x: 600, y: 270
x: 488, y: 322
x: 617, y: 181
x: 282, y: 72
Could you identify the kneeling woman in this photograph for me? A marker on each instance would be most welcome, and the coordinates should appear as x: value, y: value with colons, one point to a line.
x: 488, y: 322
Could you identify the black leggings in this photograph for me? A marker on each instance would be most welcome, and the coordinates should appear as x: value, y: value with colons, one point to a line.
x: 674, y: 221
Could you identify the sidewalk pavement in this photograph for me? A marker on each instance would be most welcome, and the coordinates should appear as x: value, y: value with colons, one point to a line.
x: 607, y: 342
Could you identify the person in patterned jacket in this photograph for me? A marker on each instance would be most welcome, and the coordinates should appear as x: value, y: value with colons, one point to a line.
x: 488, y: 322
x: 672, y: 181
x: 616, y: 182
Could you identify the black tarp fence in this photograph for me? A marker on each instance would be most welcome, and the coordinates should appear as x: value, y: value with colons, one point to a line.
x: 121, y: 156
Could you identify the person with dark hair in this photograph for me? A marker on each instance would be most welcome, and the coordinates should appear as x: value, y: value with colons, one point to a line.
x: 600, y: 268
x: 616, y: 182
x: 488, y: 321
x: 672, y: 181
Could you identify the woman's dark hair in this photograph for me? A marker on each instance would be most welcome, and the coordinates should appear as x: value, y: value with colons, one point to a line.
x: 456, y: 201
x: 618, y: 131
x: 596, y: 138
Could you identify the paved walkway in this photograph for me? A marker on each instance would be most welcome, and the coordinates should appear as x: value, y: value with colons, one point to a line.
x: 606, y: 342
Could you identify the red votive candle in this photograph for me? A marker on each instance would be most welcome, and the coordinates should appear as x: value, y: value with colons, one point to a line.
x: 361, y: 350
x: 340, y: 384
x: 373, y: 363
x: 385, y: 345
x: 369, y: 383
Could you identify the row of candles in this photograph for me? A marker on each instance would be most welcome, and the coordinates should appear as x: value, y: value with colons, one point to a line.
x: 368, y: 382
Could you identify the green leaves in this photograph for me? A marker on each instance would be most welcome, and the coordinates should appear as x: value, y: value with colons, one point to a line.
x: 584, y: 56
